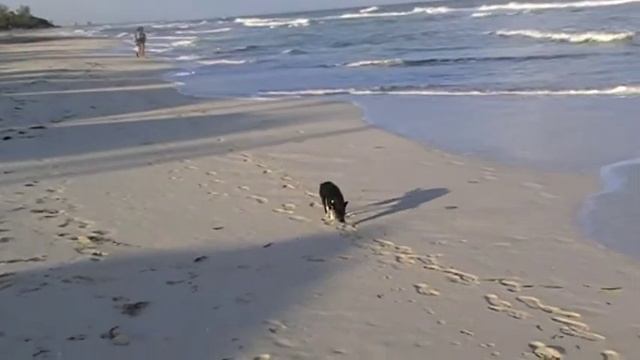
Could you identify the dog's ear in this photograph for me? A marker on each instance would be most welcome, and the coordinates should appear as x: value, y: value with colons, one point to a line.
x: 346, y: 203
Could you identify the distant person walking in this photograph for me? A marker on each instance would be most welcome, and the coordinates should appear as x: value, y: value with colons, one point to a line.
x: 141, y: 40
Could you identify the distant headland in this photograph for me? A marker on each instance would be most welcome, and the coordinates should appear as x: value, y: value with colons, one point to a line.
x: 21, y: 18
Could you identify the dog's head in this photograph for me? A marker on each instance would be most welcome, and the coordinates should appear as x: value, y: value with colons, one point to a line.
x: 340, y: 209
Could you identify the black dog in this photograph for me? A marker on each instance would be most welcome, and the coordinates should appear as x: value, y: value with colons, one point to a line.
x: 333, y: 201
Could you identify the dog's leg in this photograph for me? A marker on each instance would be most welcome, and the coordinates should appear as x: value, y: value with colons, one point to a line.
x: 324, y: 205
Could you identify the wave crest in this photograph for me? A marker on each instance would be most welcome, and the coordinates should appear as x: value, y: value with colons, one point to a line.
x: 272, y: 23
x: 553, y: 5
x: 369, y: 9
x: 197, y: 32
x: 383, y: 62
x: 415, y: 11
x: 621, y: 90
x: 222, y: 62
x: 583, y: 37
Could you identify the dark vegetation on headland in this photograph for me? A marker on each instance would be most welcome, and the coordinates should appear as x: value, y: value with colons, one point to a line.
x: 21, y: 18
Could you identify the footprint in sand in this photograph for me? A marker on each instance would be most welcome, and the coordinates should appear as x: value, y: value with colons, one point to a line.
x: 288, y: 186
x: 310, y: 194
x: 532, y: 185
x: 610, y: 355
x: 511, y: 285
x: 134, y: 309
x: 547, y: 195
x: 6, y: 239
x: 116, y: 336
x: 406, y: 259
x: 259, y: 199
x: 384, y: 243
x: 426, y: 289
x: 282, y: 211
x: 289, y: 206
x: 535, y: 303
x: 244, y: 188
x: 461, y: 277
x: 577, y: 329
x: 406, y: 250
x: 299, y: 218
x: 275, y: 326
x: 499, y: 305
x: 284, y: 343
x: 285, y: 209
x: 347, y: 228
x: 6, y: 280
x: 545, y: 352
x: 39, y: 258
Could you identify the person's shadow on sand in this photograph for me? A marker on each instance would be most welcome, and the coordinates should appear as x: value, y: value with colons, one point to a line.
x: 410, y: 200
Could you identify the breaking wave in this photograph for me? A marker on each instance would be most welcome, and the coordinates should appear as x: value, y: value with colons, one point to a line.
x: 457, y: 60
x: 553, y: 5
x: 591, y: 36
x: 385, y: 62
x: 222, y: 62
x: 622, y: 90
x: 415, y: 11
x: 370, y: 9
x: 198, y: 32
x: 272, y: 23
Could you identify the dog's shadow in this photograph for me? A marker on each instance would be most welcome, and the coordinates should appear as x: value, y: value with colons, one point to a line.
x: 410, y: 200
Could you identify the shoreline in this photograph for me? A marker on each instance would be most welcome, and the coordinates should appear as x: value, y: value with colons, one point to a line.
x: 156, y: 195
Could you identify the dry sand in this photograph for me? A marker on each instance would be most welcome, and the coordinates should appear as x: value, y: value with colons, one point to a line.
x: 137, y: 223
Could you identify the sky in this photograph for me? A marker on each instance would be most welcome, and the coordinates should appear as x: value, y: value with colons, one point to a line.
x: 104, y: 11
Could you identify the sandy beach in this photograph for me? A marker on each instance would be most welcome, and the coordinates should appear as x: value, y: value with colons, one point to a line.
x: 138, y: 223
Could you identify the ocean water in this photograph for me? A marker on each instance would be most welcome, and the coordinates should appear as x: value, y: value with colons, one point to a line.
x: 549, y: 84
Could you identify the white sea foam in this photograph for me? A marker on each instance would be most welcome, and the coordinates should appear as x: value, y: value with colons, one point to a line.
x: 487, y: 10
x: 621, y: 90
x: 173, y: 37
x: 481, y: 14
x: 293, y: 52
x: 81, y: 32
x: 188, y: 58
x: 222, y: 62
x: 415, y: 11
x: 554, y: 5
x: 311, y: 92
x: 272, y: 23
x: 382, y: 62
x: 369, y: 9
x: 183, y: 43
x: 156, y: 50
x: 178, y: 25
x: 614, y: 179
x: 198, y: 32
x: 183, y: 73
x: 573, y: 37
